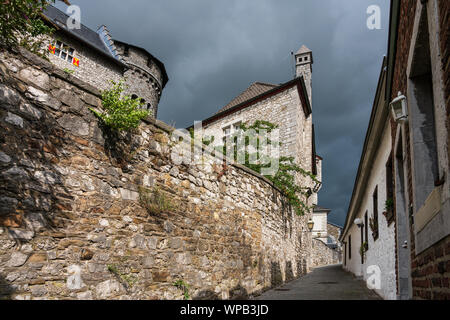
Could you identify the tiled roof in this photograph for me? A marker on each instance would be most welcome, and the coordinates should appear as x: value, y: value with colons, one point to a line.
x: 254, y: 90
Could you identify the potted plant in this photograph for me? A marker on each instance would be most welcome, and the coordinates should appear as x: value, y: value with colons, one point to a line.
x: 363, y: 248
x: 389, y: 209
x: 373, y: 224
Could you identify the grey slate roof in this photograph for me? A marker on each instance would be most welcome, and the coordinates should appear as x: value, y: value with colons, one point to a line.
x: 85, y: 34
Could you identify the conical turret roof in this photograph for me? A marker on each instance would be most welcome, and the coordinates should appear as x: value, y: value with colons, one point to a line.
x: 303, y: 49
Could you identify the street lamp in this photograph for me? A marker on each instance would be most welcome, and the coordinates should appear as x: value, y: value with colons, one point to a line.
x: 399, y: 108
x: 358, y: 222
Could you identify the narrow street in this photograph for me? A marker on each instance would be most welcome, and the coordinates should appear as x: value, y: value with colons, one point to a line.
x: 324, y: 283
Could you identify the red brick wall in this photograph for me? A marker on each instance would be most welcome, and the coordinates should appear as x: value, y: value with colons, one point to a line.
x: 430, y: 270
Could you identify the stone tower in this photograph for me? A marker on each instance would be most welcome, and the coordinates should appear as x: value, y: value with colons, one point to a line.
x: 303, y: 67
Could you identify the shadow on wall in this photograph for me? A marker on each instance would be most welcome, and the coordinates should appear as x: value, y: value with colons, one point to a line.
x: 33, y: 197
x: 6, y: 290
x: 289, y: 272
x: 276, y: 275
x: 120, y: 147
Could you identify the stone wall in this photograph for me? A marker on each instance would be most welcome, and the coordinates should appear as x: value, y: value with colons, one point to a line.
x: 322, y: 255
x: 76, y: 222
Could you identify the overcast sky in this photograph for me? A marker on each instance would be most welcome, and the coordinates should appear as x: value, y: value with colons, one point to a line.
x: 214, y: 49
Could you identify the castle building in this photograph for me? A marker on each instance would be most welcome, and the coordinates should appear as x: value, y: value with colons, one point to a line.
x: 287, y: 105
x: 96, y: 58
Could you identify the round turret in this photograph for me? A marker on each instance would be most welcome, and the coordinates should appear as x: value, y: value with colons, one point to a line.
x: 145, y: 75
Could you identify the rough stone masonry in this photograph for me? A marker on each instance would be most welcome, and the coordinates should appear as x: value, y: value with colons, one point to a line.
x: 72, y: 225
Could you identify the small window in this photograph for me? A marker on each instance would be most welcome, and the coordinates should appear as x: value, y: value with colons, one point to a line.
x: 134, y: 97
x: 237, y: 126
x: 149, y: 106
x: 226, y: 131
x: 374, y: 222
x: 366, y: 228
x: 126, y: 51
x: 349, y: 247
x: 149, y: 63
x: 64, y: 51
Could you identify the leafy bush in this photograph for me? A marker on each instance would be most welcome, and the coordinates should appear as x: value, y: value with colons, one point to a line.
x: 155, y: 200
x: 21, y: 24
x: 120, y: 112
x: 183, y: 286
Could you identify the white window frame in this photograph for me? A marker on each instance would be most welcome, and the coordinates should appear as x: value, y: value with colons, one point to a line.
x: 231, y: 126
x: 63, y: 49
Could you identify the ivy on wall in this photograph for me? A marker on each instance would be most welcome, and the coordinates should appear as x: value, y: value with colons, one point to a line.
x: 284, y: 178
x: 21, y: 24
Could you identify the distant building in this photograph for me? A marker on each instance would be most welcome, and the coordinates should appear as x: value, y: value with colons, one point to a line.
x: 320, y: 219
x: 96, y: 58
x: 334, y: 232
x: 324, y: 230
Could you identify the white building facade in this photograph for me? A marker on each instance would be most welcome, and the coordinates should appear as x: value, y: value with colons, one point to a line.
x: 369, y: 233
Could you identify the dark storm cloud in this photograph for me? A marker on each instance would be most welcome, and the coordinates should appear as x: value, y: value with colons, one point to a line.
x: 214, y: 49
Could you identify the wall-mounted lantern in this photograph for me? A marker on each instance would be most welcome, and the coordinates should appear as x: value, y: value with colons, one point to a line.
x: 358, y: 222
x: 310, y: 225
x: 399, y: 108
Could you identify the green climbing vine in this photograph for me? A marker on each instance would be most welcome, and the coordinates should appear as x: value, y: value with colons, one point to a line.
x: 285, y: 177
